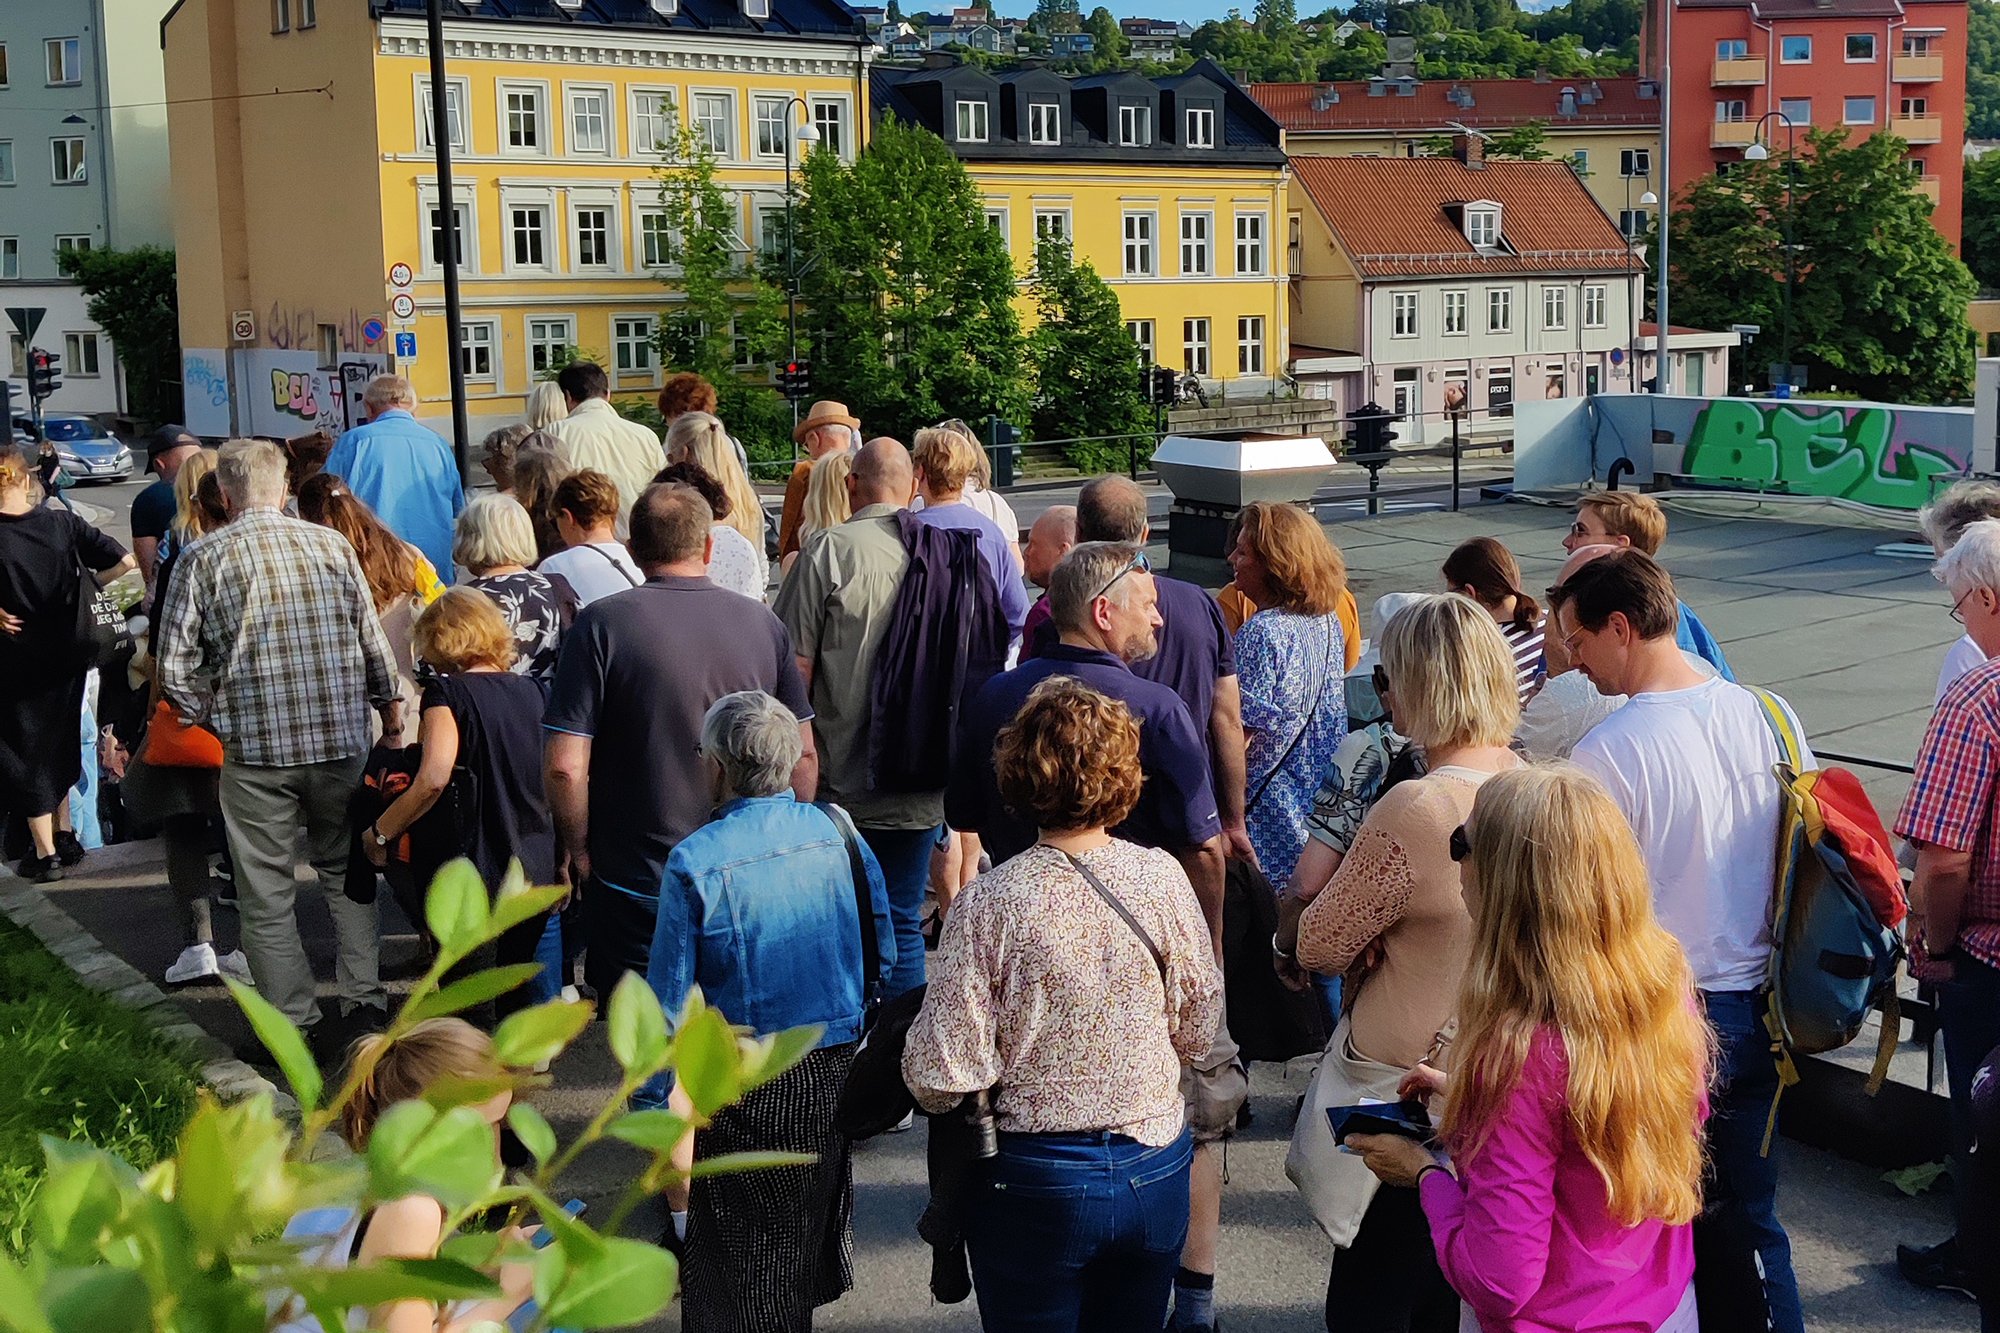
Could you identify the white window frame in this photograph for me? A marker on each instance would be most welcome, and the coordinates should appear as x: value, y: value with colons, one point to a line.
x: 539, y: 125
x: 10, y: 256
x: 762, y: 105
x: 1143, y: 247
x: 1732, y: 48
x: 1251, y: 247
x: 1634, y: 163
x: 1918, y: 45
x: 648, y: 140
x: 1135, y: 126
x: 74, y: 344
x: 68, y: 153
x: 635, y: 333
x: 1847, y: 110
x: 465, y: 198
x: 843, y: 120
x: 1847, y: 48
x: 1803, y: 102
x: 1064, y: 228
x: 308, y: 16
x: 1731, y: 110
x: 487, y: 341
x: 1579, y: 161
x: 972, y: 119
x: 1045, y: 124
x: 702, y: 124
x: 607, y: 205
x: 68, y: 51
x: 1000, y: 218
x: 643, y: 235
x: 1402, y: 314
x: 1249, y: 344
x: 83, y: 243
x: 544, y: 203
x: 6, y: 69
x: 1200, y: 127
x: 1196, y: 340
x: 1198, y: 243
x: 1785, y: 41
x: 7, y: 161
x: 1555, y: 308
x: 573, y: 143
x: 1596, y: 305
x: 1141, y: 331
x: 456, y: 90
x: 281, y: 17
x: 530, y: 342
x: 1455, y: 321
x: 1499, y: 309
x: 1634, y: 221
x: 1482, y: 227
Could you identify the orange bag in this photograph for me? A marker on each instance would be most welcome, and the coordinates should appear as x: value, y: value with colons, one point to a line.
x: 169, y: 744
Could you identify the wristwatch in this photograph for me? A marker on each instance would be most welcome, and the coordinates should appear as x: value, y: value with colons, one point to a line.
x: 1280, y: 950
x: 375, y: 835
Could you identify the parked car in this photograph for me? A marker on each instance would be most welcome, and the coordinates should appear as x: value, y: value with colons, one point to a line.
x: 86, y: 450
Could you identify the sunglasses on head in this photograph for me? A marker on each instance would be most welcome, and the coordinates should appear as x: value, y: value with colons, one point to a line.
x: 1139, y: 562
x: 1461, y: 843
x: 1378, y: 677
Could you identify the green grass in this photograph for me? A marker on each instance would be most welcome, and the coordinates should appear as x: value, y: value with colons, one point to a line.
x: 76, y: 1066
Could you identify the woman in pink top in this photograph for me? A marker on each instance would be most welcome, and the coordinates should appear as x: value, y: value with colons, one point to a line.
x: 1573, y: 1117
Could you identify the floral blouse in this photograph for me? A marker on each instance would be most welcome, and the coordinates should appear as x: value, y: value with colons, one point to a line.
x: 736, y: 564
x: 1039, y: 987
x: 1291, y: 670
x: 536, y: 613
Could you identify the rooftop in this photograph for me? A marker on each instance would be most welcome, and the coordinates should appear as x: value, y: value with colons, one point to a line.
x: 1433, y: 105
x: 1816, y: 9
x: 789, y: 18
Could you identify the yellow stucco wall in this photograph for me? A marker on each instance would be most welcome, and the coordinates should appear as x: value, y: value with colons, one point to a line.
x: 1326, y: 305
x: 1985, y: 319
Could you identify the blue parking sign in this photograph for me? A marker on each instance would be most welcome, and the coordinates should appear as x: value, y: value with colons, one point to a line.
x: 406, y: 346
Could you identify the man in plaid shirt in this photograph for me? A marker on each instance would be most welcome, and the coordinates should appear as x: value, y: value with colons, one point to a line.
x: 1955, y: 898
x: 269, y: 636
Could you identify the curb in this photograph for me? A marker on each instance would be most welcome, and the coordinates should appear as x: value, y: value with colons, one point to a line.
x: 111, y: 976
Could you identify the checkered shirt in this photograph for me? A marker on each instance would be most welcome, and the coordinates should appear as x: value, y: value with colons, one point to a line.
x: 1952, y: 801
x: 271, y: 617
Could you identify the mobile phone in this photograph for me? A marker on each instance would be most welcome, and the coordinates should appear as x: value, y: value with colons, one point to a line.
x: 575, y: 1208
x: 1405, y: 1119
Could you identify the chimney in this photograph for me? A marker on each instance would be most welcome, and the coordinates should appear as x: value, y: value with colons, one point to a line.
x: 1469, y: 149
x: 940, y: 60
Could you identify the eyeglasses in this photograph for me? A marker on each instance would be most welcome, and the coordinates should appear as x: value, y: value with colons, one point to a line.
x: 1577, y: 529
x: 1461, y: 843
x: 1958, y: 607
x: 1139, y: 562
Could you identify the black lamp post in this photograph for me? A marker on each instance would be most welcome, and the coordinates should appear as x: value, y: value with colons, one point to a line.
x: 806, y: 134
x: 1757, y: 152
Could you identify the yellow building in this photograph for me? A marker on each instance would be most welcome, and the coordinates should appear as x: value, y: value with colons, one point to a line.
x: 1609, y: 129
x: 307, y: 214
x: 1173, y: 188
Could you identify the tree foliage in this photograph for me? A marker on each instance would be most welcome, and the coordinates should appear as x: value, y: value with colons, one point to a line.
x: 1982, y: 69
x: 1110, y: 48
x: 910, y: 291
x: 1052, y: 16
x: 133, y: 296
x: 1878, y: 301
x: 1478, y: 39
x: 1086, y: 365
x: 1981, y: 242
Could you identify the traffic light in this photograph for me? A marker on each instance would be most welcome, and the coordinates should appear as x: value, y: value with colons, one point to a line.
x: 1370, y: 432
x: 1163, y: 386
x: 44, y: 373
x: 795, y: 380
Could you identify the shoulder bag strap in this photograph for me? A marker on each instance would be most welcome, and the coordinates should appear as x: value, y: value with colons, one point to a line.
x: 1299, y: 735
x: 1124, y: 914
x: 1780, y: 723
x: 864, y: 901
x: 623, y: 572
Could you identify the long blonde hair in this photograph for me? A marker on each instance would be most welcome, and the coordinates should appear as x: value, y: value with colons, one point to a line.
x: 434, y: 1049
x: 1563, y: 937
x: 702, y: 439
x: 545, y: 406
x: 826, y: 504
x: 189, y: 520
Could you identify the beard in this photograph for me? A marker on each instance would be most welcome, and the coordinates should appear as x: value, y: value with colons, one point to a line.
x: 1139, y: 646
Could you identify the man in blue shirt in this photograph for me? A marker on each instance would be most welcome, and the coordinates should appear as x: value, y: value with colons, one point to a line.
x: 403, y: 471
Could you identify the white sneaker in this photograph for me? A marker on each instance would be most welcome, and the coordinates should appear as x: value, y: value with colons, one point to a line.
x: 236, y: 967
x: 904, y: 1125
x: 196, y: 963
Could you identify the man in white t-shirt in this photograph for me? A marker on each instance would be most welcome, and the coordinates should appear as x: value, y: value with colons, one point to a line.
x: 593, y: 561
x: 1942, y: 521
x: 1689, y: 760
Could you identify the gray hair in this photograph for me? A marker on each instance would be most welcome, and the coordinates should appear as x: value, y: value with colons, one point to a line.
x: 755, y: 740
x: 1944, y: 518
x: 494, y: 530
x: 251, y: 474
x: 388, y: 391
x: 1974, y: 559
x: 1078, y: 576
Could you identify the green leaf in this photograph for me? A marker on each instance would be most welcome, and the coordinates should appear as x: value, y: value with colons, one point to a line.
x: 285, y: 1043
x: 392, y: 1280
x: 456, y: 908
x: 517, y: 905
x: 638, y: 1027
x: 726, y: 1163
x: 771, y: 1056
x: 528, y: 1037
x: 475, y: 989
x: 532, y: 1129
x: 77, y: 1202
x: 100, y: 1299
x: 626, y: 1283
x: 206, y: 1185
x: 707, y: 1060
x: 655, y: 1131
x: 19, y: 1310
x: 418, y: 1149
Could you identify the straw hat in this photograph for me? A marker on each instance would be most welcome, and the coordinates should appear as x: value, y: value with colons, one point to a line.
x: 825, y: 412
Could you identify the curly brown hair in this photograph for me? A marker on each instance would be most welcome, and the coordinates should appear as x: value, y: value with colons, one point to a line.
x: 1069, y: 759
x: 685, y: 392
x: 1305, y: 570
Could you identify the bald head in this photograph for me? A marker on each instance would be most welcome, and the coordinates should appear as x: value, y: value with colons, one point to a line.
x: 1049, y: 541
x: 882, y: 474
x: 1111, y: 509
x: 1555, y: 648
x: 1580, y: 557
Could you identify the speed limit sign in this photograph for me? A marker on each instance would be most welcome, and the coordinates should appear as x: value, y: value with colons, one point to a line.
x: 400, y: 275
x: 403, y: 306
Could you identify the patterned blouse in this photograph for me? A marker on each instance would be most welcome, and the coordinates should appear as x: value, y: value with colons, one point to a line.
x: 534, y: 611
x: 1040, y: 988
x: 1291, y: 669
x: 736, y: 564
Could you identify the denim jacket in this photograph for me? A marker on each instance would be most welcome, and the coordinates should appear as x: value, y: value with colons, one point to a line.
x: 757, y: 907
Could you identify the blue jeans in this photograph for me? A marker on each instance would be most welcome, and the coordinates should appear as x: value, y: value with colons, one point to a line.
x: 905, y: 856
x: 1072, y: 1232
x: 549, y: 953
x: 1740, y: 1211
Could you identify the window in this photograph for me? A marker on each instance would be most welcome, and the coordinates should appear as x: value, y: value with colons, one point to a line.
x: 65, y: 244
x: 548, y: 340
x: 1250, y: 345
x: 308, y: 14
x: 1482, y: 227
x: 1045, y: 122
x: 590, y: 121
x: 1402, y: 314
x: 593, y: 238
x: 656, y: 248
x: 67, y: 163
x: 1914, y: 44
x: 1194, y: 346
x: 1635, y: 161
x: 10, y: 256
x: 715, y: 122
x: 771, y: 235
x: 652, y: 121
x: 830, y: 119
x: 1249, y: 243
x: 6, y: 161
x: 521, y: 109
x: 1914, y: 108
x: 1142, y: 335
x: 65, y: 60
x: 632, y: 344
x: 281, y: 16
x: 972, y: 122
x: 3, y: 65
x: 996, y: 218
x: 1797, y: 110
x: 1455, y: 311
x: 454, y: 114
x: 1194, y: 244
x: 475, y: 350
x: 1860, y: 48
x: 1916, y: 165
x: 1795, y: 50
x: 460, y: 228
x: 1634, y: 222
x: 1500, y: 391
x: 1135, y: 126
x: 1200, y: 127
x: 1732, y: 48
x: 529, y: 226
x: 1499, y: 310
x: 1593, y: 305
x: 1579, y: 161
x: 1052, y: 224
x: 1138, y: 245
x: 1555, y: 308
x: 1858, y: 111
x: 1295, y: 240
x: 1729, y: 110
x: 768, y: 116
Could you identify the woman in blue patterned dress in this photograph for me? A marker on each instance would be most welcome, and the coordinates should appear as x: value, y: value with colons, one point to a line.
x: 1290, y: 661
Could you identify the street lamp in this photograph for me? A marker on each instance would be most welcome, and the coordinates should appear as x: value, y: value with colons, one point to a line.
x: 1632, y: 297
x: 1757, y: 152
x: 804, y: 136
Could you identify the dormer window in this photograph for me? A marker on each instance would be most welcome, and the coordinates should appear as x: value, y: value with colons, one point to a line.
x: 971, y: 121
x: 666, y: 9
x: 1482, y: 225
x: 757, y: 9
x: 1044, y: 122
x: 1135, y: 126
x: 1200, y: 127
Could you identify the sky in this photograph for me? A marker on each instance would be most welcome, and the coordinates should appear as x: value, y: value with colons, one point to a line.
x: 1196, y: 12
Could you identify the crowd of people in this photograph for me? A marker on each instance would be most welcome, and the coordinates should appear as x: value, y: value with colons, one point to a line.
x: 842, y: 770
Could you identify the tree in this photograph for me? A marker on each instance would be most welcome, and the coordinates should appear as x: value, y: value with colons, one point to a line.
x: 1981, y: 243
x: 1086, y: 365
x: 1878, y: 301
x: 911, y: 291
x: 133, y: 296
x: 1107, y: 39
x: 893, y: 12
x: 1982, y: 69
x: 1053, y: 16
x: 729, y: 314
x: 1277, y: 18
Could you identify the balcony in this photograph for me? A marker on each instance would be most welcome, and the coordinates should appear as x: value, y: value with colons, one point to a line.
x: 1917, y: 129
x: 1732, y: 134
x: 1736, y: 73
x: 1917, y: 69
x: 1927, y: 186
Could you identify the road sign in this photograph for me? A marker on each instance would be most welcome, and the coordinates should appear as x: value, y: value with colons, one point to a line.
x: 243, y: 326
x: 26, y: 318
x: 1617, y: 356
x: 403, y: 307
x: 373, y: 330
x: 406, y: 347
x: 400, y: 276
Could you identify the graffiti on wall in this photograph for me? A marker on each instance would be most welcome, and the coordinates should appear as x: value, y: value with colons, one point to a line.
x: 205, y: 390
x: 297, y: 328
x: 1855, y: 453
x: 290, y: 393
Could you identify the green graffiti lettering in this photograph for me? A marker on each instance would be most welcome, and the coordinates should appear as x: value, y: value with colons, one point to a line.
x: 1850, y: 453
